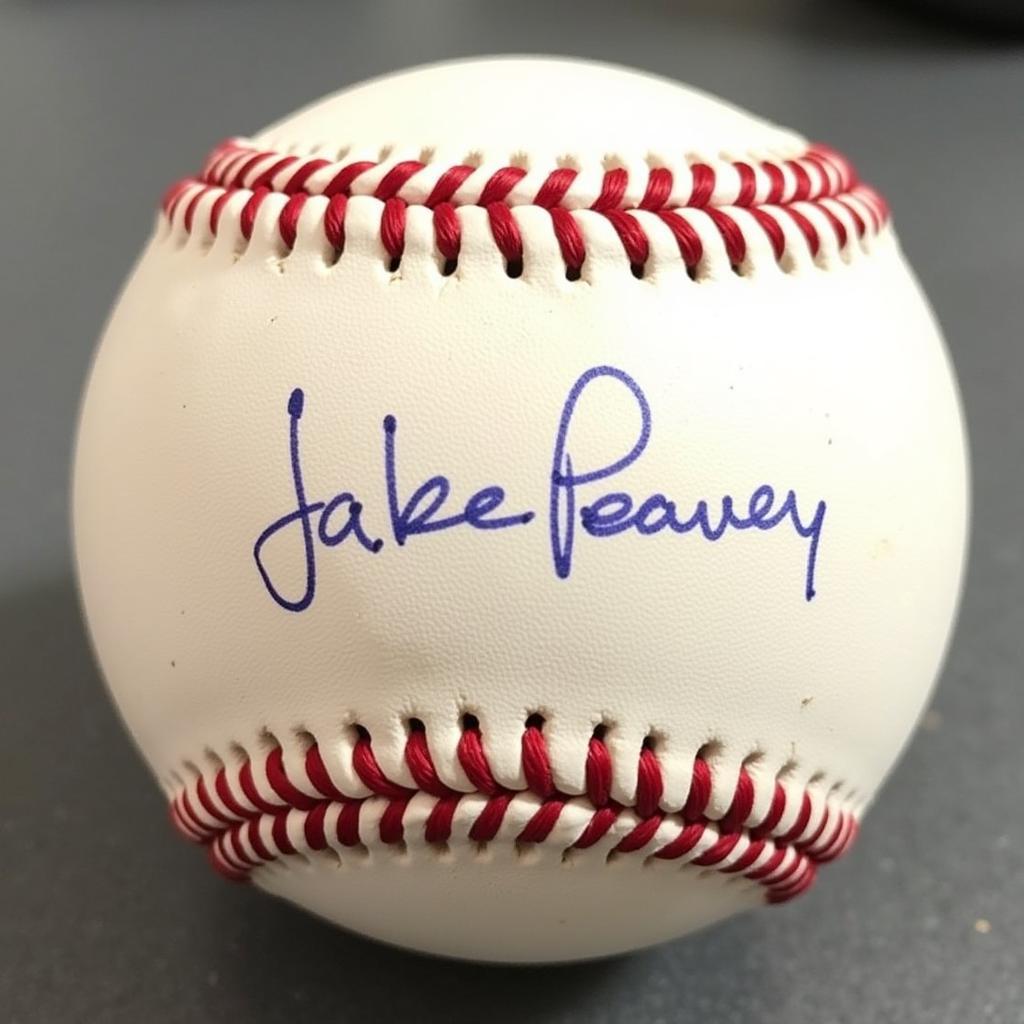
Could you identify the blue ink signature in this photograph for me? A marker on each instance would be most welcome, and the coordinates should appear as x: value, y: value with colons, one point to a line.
x: 331, y: 522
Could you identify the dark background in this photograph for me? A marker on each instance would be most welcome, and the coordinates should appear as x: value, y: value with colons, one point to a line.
x: 104, y: 914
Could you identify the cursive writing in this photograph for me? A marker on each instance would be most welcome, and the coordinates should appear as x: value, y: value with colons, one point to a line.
x: 617, y: 511
x: 331, y: 521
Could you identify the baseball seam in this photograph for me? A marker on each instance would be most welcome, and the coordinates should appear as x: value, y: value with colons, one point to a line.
x: 256, y: 811
x: 253, y: 811
x: 724, y: 213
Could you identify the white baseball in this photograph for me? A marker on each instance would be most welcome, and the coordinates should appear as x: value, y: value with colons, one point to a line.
x: 520, y: 508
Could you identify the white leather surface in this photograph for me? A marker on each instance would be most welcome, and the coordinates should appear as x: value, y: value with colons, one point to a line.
x: 505, y: 906
x: 528, y: 112
x: 829, y: 379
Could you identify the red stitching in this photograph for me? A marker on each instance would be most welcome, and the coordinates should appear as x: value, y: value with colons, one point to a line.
x: 500, y: 184
x: 470, y: 753
x: 266, y: 178
x: 342, y: 181
x: 820, y: 180
x: 395, y: 179
x: 348, y: 823
x: 598, y: 827
x: 447, y: 232
x: 632, y: 236
x: 297, y: 182
x: 703, y: 185
x: 246, y: 824
x: 485, y: 828
x: 570, y: 240
x: 249, y: 211
x: 553, y: 191
x: 536, y: 767
x: 288, y: 218
x: 506, y: 235
x: 659, y: 188
x: 439, y: 824
x: 649, y: 784
x: 700, y: 791
x: 447, y: 185
x: 392, y: 227
x: 748, y: 184
x: 421, y: 766
x: 613, y: 189
x: 640, y: 836
x: 334, y: 221
x: 732, y: 236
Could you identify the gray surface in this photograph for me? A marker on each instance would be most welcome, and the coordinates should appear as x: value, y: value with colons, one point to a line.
x: 104, y: 914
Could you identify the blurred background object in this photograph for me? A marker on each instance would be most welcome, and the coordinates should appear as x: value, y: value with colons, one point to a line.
x: 981, y: 14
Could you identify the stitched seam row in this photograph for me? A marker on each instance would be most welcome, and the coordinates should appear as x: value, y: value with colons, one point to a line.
x: 804, y: 200
x: 246, y: 823
x: 819, y: 173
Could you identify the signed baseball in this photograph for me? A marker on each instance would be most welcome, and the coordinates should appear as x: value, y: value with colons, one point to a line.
x: 520, y: 508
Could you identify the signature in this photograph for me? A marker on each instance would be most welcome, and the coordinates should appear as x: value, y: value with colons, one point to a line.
x: 330, y: 521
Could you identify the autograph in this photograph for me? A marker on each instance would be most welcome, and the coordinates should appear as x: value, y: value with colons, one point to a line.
x: 328, y: 523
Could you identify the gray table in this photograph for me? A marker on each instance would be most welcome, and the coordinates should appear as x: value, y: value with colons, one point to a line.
x: 104, y: 914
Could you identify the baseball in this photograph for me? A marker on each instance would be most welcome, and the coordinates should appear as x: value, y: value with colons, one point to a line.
x: 520, y: 508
